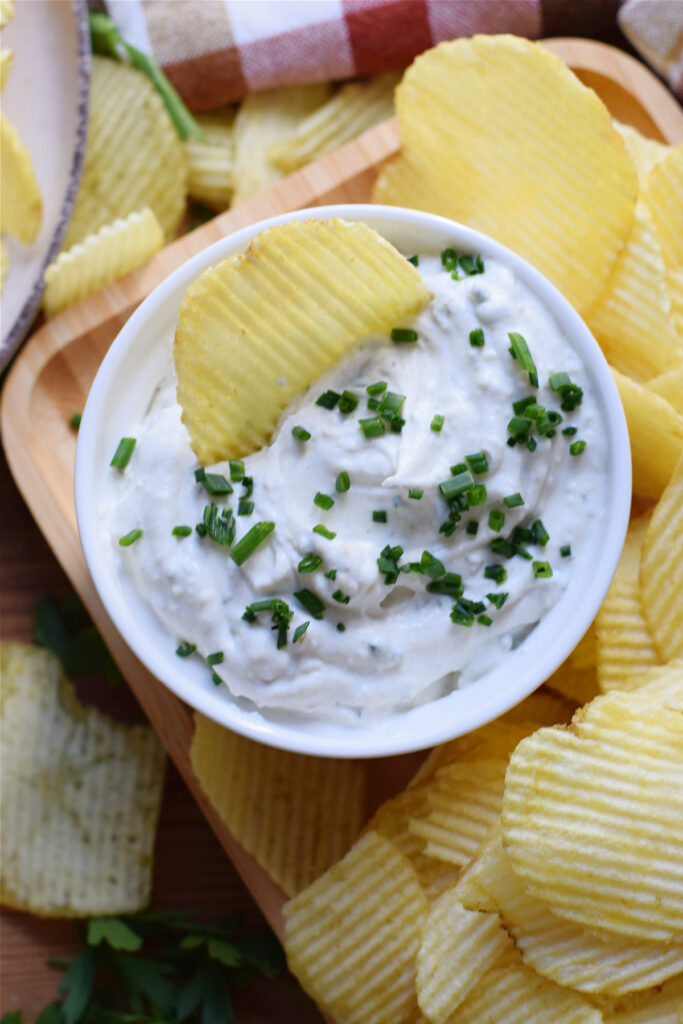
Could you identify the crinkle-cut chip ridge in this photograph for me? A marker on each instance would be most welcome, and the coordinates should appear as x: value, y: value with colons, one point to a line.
x: 662, y: 192
x: 646, y: 153
x: 134, y: 156
x: 633, y: 318
x: 565, y: 952
x: 257, y: 329
x: 660, y: 1006
x: 670, y: 385
x: 80, y: 796
x: 295, y: 815
x: 352, y: 936
x: 656, y: 434
x: 112, y: 251
x: 211, y: 164
x: 661, y: 569
x: 625, y: 645
x: 616, y: 864
x: 457, y: 947
x: 494, y: 740
x: 550, y: 177
x: 21, y: 203
x: 663, y: 685
x: 517, y: 995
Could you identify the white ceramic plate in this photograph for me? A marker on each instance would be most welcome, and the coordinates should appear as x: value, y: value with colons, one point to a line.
x: 46, y: 98
x: 121, y: 392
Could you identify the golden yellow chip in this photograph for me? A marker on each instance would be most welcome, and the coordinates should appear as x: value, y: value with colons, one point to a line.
x: 646, y: 153
x: 356, y: 107
x: 656, y: 433
x: 674, y: 280
x: 664, y: 685
x: 21, y: 206
x: 6, y: 12
x: 670, y: 387
x: 497, y: 739
x: 114, y: 250
x: 6, y: 58
x: 264, y: 119
x: 457, y: 947
x: 633, y: 318
x: 549, y: 176
x: 465, y: 800
x: 661, y: 570
x: 561, y: 950
x: 576, y: 677
x: 625, y: 647
x: 517, y: 995
x: 295, y: 815
x: 351, y: 938
x: 613, y: 781
x: 134, y: 157
x: 544, y: 707
x: 80, y: 796
x: 211, y: 164
x: 662, y: 1005
x: 663, y: 193
x: 256, y: 330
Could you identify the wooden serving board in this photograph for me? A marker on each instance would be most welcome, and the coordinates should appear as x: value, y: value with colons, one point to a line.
x: 51, y: 377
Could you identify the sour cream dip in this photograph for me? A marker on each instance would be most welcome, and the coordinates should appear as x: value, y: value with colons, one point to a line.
x: 428, y: 498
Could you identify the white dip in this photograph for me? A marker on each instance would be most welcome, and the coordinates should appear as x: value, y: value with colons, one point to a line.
x: 399, y: 646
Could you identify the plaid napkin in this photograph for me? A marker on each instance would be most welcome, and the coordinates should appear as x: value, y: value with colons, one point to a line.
x: 216, y: 51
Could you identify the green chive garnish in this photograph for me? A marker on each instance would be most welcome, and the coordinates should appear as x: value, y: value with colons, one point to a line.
x: 379, y: 516
x: 341, y: 597
x: 300, y: 433
x: 472, y: 527
x: 215, y: 659
x: 75, y: 420
x: 123, y: 453
x: 577, y: 447
x: 403, y: 334
x: 496, y: 520
x: 236, y: 470
x: 457, y: 484
x: 542, y: 570
x: 571, y: 394
x: 519, y: 426
x: 519, y: 350
x: 328, y: 399
x: 484, y: 620
x: 184, y: 649
x: 437, y: 423
x: 309, y: 563
x: 415, y: 260
x: 570, y: 431
x: 282, y: 616
x: 513, y: 500
x: 372, y: 427
x: 331, y: 575
x: 476, y: 495
x: 181, y: 531
x: 378, y: 388
x: 310, y: 602
x: 215, y: 483
x: 201, y: 529
x: 497, y: 573
x: 416, y: 493
x: 220, y: 528
x: 347, y: 402
x: 130, y: 538
x: 342, y: 483
x: 478, y: 463
x: 324, y: 532
x: 299, y: 631
x: 323, y: 500
x: 503, y: 547
x: 251, y: 540
x: 477, y: 338
x: 497, y: 600
x: 341, y: 628
x: 566, y: 550
x: 539, y: 533
x: 244, y: 507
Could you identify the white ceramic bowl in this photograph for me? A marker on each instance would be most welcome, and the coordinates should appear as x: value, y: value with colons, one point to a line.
x: 136, y: 362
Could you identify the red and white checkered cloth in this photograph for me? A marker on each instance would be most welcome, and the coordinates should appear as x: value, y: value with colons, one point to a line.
x: 216, y: 51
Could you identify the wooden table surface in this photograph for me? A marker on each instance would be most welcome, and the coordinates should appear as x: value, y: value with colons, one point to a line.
x: 191, y: 870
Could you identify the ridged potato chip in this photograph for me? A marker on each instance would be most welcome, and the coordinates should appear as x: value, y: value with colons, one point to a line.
x: 21, y: 205
x: 646, y: 153
x: 661, y: 569
x: 549, y: 176
x: 563, y: 951
x: 80, y: 796
x: 633, y: 319
x: 211, y: 164
x: 356, y: 107
x: 134, y: 157
x: 576, y: 678
x: 295, y: 815
x: 660, y: 1006
x: 352, y: 936
x: 656, y: 433
x: 265, y: 118
x: 663, y: 686
x: 670, y: 387
x: 457, y: 947
x: 613, y: 781
x: 625, y: 647
x: 497, y: 739
x: 517, y: 995
x: 663, y: 192
x: 6, y: 59
x: 674, y: 280
x: 256, y: 330
x: 112, y: 251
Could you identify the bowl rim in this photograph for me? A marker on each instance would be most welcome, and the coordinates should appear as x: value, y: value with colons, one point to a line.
x: 394, y: 734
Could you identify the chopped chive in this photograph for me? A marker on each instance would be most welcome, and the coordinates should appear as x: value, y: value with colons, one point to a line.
x: 496, y: 520
x: 310, y: 602
x: 431, y: 566
x: 577, y: 447
x: 530, y: 443
x: 477, y: 338
x: 457, y: 484
x: 123, y: 453
x: 437, y: 423
x: 324, y: 532
x: 497, y: 600
x: 247, y: 544
x: 323, y: 500
x: 519, y: 426
x: 341, y: 628
x: 221, y: 529
x: 248, y: 485
x: 347, y: 402
x: 201, y: 529
x: 300, y: 433
x: 378, y: 388
x: 309, y: 563
x: 387, y: 562
x: 503, y: 547
x: 497, y: 573
x: 244, y: 507
x: 513, y: 500
x: 215, y: 659
x: 571, y: 394
x: 478, y: 463
x: 372, y: 427
x: 181, y: 531
x: 460, y: 467
x: 415, y: 260
x: 416, y: 493
x: 476, y: 495
x: 472, y: 265
x: 539, y: 533
x: 215, y: 483
x: 450, y: 584
x: 75, y: 420
x: 566, y: 550
x: 331, y: 575
x: 328, y: 399
x: 342, y: 483
x: 216, y: 679
x: 236, y: 470
x: 403, y: 334
x: 472, y: 527
x: 484, y: 620
x: 373, y: 404
x: 523, y: 403
x: 341, y: 597
x: 379, y: 516
x: 282, y: 616
x: 519, y: 350
x: 570, y: 431
x: 300, y: 630
x: 391, y: 402
x: 542, y: 570
x: 184, y: 650
x: 130, y: 538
